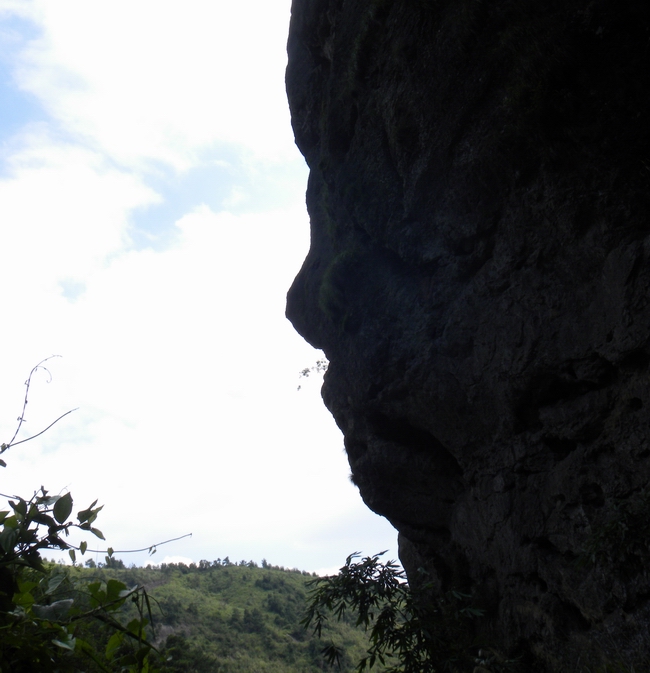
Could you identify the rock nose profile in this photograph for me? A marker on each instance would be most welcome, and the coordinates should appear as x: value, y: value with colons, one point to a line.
x: 479, y: 279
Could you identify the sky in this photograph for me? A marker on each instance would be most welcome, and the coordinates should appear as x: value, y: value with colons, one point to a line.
x: 152, y: 219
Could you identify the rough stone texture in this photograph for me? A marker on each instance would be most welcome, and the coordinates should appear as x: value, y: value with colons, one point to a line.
x: 478, y: 278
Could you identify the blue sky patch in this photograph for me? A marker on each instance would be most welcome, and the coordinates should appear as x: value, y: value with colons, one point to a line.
x: 211, y: 183
x: 18, y: 107
x: 72, y: 289
x: 221, y: 184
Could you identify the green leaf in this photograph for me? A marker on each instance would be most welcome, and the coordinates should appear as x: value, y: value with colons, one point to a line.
x: 100, y: 535
x: 84, y: 646
x: 82, y: 547
x: 97, y: 594
x: 20, y: 507
x: 89, y: 514
x: 109, y: 551
x: 44, y: 519
x: 94, y: 587
x: 113, y: 589
x: 113, y: 643
x: 134, y: 626
x: 73, y: 556
x: 62, y: 508
x: 9, y: 536
x: 10, y: 521
x: 54, y: 582
x: 23, y: 599
x: 25, y: 586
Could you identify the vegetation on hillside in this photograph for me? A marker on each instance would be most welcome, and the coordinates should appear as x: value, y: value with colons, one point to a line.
x: 231, y: 618
x: 48, y: 617
x: 216, y: 616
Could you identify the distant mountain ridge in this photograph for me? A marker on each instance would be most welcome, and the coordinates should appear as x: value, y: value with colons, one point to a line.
x: 232, y: 618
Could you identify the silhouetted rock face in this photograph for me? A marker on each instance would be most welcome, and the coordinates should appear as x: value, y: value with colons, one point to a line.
x: 479, y: 280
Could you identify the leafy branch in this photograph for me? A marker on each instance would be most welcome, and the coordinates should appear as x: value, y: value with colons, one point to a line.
x: 409, y: 631
x: 39, y: 621
x: 319, y: 368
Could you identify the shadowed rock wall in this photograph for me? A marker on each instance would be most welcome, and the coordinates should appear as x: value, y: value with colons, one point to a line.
x: 478, y: 278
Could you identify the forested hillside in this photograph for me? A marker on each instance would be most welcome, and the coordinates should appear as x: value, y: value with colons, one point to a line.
x: 232, y: 618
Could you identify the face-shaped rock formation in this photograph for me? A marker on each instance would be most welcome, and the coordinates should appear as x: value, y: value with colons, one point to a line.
x: 479, y: 279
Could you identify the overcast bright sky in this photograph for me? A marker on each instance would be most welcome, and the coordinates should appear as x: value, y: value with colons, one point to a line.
x: 151, y: 221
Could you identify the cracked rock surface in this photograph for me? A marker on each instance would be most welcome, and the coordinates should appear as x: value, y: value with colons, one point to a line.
x: 479, y: 279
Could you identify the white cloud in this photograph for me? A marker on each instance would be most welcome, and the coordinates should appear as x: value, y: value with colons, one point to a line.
x: 186, y: 373
x: 153, y: 81
x: 185, y: 560
x: 180, y: 359
x: 63, y: 198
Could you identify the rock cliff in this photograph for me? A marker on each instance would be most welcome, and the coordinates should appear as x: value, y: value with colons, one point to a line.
x: 479, y: 280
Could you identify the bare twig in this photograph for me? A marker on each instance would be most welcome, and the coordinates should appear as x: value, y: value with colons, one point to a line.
x: 8, y: 446
x: 21, y: 418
